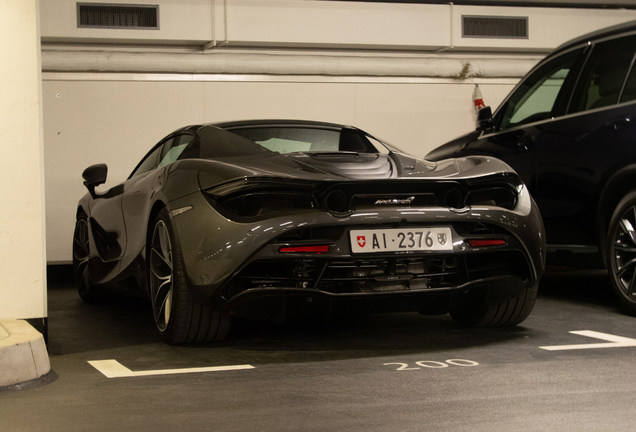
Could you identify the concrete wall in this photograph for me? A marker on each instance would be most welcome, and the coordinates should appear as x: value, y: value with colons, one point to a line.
x: 22, y: 244
x: 342, y: 24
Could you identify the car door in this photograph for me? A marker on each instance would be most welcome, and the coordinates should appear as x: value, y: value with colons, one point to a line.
x: 579, y: 150
x: 147, y: 178
x: 520, y: 122
x: 107, y: 225
x: 107, y: 213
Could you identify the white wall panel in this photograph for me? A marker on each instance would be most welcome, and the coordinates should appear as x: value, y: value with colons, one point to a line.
x: 179, y: 23
x: 255, y: 22
x: 311, y: 23
x: 337, y: 23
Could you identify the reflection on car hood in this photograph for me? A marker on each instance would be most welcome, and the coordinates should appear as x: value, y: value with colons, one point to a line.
x: 347, y: 164
x: 361, y: 166
x: 340, y: 167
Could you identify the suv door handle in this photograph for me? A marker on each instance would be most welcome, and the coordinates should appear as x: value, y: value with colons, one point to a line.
x: 527, y: 142
x: 619, y: 123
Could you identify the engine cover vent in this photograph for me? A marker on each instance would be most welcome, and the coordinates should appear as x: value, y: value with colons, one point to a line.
x: 117, y: 16
x: 494, y: 27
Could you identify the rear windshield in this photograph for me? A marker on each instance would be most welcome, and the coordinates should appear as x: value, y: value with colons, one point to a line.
x: 293, y: 139
x: 246, y: 141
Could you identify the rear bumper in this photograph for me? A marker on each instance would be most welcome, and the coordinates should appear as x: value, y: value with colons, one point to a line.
x: 275, y: 303
x: 219, y: 252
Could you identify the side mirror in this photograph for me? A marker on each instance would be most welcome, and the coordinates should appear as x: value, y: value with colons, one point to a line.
x: 484, y: 119
x: 93, y: 176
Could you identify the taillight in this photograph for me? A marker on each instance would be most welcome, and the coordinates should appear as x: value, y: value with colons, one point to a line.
x: 485, y: 242
x: 318, y: 249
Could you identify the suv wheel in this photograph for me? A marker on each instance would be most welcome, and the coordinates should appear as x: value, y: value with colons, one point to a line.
x: 621, y: 251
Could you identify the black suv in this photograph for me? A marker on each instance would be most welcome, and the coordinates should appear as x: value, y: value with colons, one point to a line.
x: 569, y: 129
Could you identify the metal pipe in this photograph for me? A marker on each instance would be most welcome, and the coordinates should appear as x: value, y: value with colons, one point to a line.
x: 283, y: 64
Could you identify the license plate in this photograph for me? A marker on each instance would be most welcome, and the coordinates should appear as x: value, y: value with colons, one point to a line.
x: 399, y: 240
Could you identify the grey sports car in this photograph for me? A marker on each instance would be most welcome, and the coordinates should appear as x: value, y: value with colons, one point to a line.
x: 279, y: 218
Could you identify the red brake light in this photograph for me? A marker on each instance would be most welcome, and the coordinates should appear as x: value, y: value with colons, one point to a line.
x: 305, y: 249
x: 486, y: 242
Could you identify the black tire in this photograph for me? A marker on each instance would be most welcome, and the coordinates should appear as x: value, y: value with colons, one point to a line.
x: 88, y: 291
x: 621, y: 251
x: 179, y: 317
x: 476, y: 311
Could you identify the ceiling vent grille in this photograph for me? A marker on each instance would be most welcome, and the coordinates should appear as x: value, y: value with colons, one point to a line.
x: 117, y: 16
x: 494, y: 27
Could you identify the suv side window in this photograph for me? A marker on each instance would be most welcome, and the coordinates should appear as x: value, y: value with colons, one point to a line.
x: 629, y: 91
x: 604, y: 75
x: 536, y: 97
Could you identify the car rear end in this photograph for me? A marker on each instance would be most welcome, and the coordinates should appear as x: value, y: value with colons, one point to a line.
x: 268, y: 247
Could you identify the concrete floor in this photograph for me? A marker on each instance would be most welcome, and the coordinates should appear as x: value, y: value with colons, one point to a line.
x: 396, y: 372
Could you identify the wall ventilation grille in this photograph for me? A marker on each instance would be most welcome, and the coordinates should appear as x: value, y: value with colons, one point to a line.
x: 494, y: 27
x: 117, y: 16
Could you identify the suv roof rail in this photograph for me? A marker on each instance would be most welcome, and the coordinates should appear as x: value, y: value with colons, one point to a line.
x: 608, y: 31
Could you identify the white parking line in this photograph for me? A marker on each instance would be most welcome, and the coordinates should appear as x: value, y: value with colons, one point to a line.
x: 614, y: 341
x: 114, y: 369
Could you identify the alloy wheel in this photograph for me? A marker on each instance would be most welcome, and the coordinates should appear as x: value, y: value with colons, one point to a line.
x: 161, y: 275
x: 81, y: 255
x: 624, y: 253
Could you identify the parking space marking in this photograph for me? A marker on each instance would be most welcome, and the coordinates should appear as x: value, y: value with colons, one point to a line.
x: 114, y: 369
x: 614, y: 341
x: 430, y: 364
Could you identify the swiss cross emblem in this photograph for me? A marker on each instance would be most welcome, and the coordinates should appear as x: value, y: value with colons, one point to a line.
x: 362, y: 241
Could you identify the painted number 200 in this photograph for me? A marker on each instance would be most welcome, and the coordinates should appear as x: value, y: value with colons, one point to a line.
x: 434, y: 364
